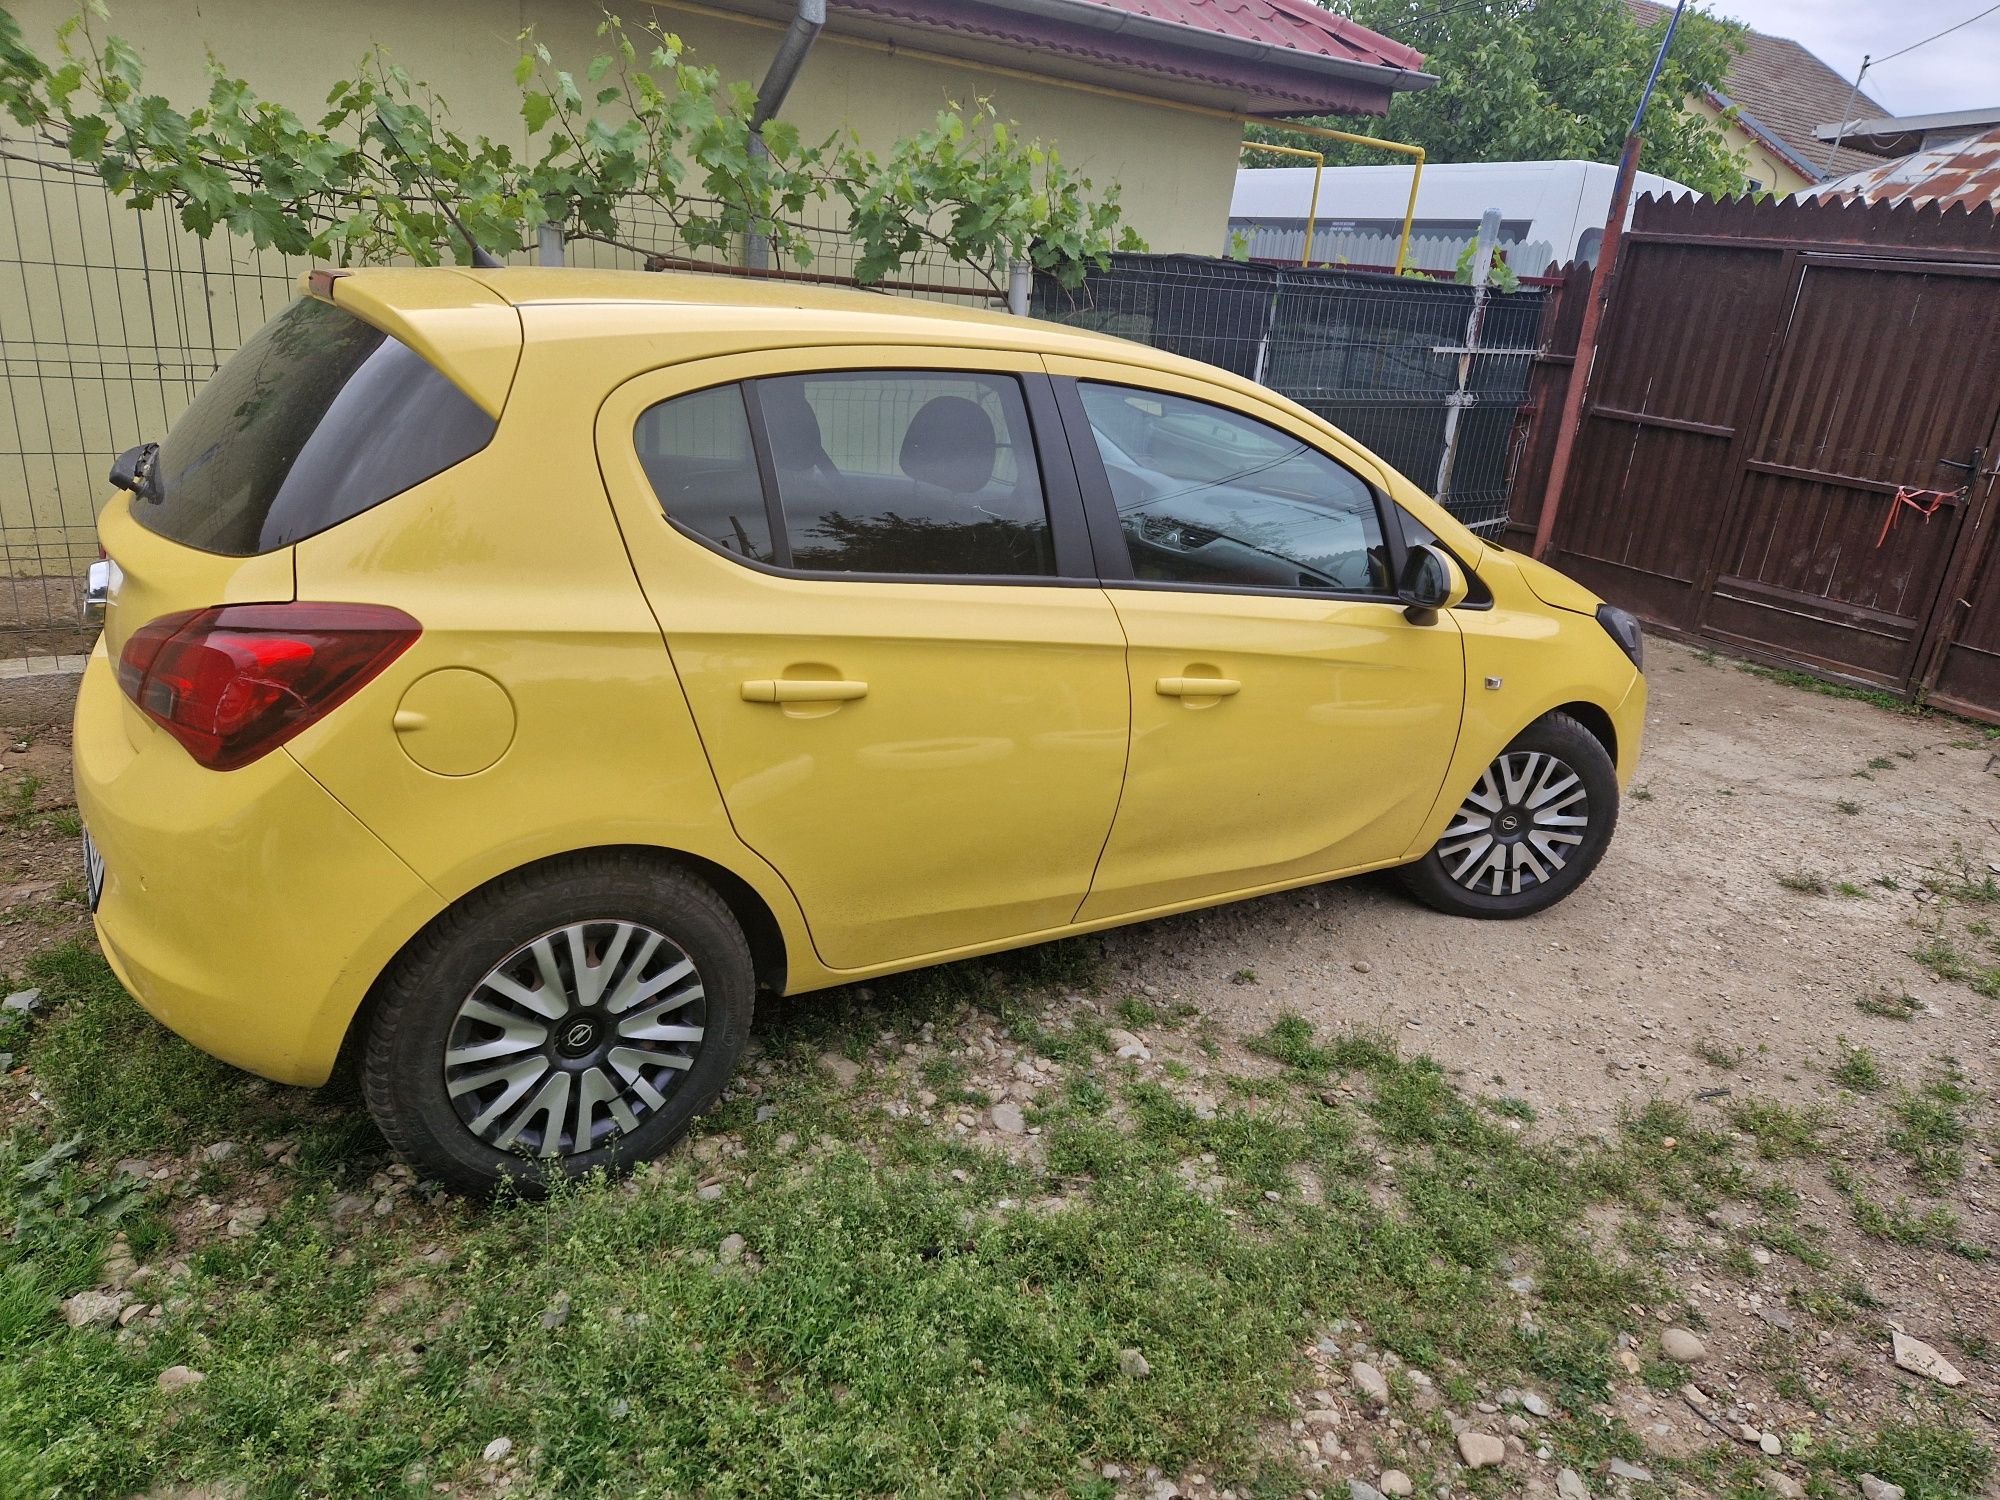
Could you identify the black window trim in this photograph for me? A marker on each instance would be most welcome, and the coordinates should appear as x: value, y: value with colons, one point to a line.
x: 1054, y: 468
x: 1107, y: 536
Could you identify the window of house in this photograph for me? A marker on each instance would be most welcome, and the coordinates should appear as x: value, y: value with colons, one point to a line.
x: 914, y: 472
x: 1206, y: 495
x: 696, y: 451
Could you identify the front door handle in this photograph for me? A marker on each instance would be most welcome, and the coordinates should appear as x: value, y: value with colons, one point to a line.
x: 1197, y: 687
x: 797, y: 690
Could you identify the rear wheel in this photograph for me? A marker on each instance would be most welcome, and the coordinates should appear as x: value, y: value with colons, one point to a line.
x: 574, y: 1016
x: 1531, y: 829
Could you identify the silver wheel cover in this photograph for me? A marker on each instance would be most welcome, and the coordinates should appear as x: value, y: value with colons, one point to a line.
x: 1519, y: 827
x: 574, y: 1038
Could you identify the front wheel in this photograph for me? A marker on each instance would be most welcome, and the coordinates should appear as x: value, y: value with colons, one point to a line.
x: 1529, y: 832
x: 568, y: 1017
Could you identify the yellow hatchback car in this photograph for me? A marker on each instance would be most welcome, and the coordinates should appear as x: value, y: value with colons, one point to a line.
x: 511, y: 672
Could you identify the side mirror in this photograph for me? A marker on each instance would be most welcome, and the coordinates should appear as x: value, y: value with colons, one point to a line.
x: 1432, y: 580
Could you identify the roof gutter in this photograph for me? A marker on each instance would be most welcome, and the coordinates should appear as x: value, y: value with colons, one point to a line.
x: 778, y: 79
x: 1087, y: 13
x: 1768, y: 137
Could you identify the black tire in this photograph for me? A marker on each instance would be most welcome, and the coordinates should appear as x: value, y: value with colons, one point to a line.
x: 452, y: 964
x: 1445, y: 877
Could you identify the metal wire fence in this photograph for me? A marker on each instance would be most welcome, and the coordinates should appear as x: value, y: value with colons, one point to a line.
x: 1385, y: 358
x: 111, y: 319
x: 109, y: 322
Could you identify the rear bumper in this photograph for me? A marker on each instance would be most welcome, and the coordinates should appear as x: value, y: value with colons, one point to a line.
x: 246, y: 910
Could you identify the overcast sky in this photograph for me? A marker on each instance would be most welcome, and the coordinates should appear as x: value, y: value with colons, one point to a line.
x: 1961, y: 71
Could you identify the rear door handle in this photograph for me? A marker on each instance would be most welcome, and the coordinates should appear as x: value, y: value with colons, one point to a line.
x: 1197, y: 687
x: 794, y: 690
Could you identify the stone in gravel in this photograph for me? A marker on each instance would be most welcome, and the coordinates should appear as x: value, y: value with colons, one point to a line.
x: 1619, y: 1469
x: 730, y: 1251
x: 1395, y: 1482
x: 1362, y: 966
x: 220, y: 1151
x: 1770, y: 1443
x: 91, y: 1309
x: 345, y: 1207
x: 844, y: 1069
x: 131, y: 1314
x: 710, y: 1193
x: 1920, y: 1358
x: 498, y: 1449
x: 1008, y: 1119
x: 1682, y: 1347
x: 1360, y: 1489
x: 1880, y: 1489
x: 1777, y: 1317
x: 1370, y: 1382
x: 1782, y: 1485
x: 178, y: 1378
x: 23, y: 1000
x: 1132, y: 1363
x: 1324, y: 1418
x: 1570, y: 1486
x: 766, y: 1112
x: 1535, y: 1405
x: 1480, y: 1450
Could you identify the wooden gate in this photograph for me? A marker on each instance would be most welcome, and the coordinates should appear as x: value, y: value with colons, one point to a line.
x: 1789, y: 442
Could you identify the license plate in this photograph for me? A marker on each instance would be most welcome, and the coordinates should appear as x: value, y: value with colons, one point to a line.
x: 93, y: 869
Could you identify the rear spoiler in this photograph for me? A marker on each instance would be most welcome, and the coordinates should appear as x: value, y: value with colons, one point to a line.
x: 454, y: 321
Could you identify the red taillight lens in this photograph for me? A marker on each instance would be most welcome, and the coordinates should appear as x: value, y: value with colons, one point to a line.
x: 236, y: 682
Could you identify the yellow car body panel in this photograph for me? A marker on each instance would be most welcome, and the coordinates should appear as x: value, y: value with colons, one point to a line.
x: 863, y: 802
x: 589, y: 676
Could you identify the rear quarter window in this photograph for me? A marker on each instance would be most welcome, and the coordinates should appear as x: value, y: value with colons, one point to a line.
x: 317, y: 418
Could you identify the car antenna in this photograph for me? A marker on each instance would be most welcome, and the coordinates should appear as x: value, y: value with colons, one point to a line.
x: 483, y: 258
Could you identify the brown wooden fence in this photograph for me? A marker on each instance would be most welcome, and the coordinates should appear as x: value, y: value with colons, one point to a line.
x: 1790, y: 440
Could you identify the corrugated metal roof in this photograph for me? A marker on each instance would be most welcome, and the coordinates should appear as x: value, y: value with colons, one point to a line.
x: 1297, y: 25
x: 1263, y: 57
x: 1965, y: 173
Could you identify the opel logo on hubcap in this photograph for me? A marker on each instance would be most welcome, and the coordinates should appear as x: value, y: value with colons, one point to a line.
x: 577, y: 1038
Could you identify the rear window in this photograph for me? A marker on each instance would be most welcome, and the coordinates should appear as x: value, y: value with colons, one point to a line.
x: 314, y: 420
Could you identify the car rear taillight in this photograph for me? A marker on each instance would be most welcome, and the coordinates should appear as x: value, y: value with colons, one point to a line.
x: 235, y: 682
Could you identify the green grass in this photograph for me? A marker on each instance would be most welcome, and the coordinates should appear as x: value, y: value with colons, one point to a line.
x: 1716, y: 1054
x: 1936, y: 1455
x: 1779, y: 1131
x: 1811, y: 684
x: 1858, y: 1069
x: 1889, y: 1004
x: 916, y: 1315
x: 1944, y: 959
x: 1932, y: 1128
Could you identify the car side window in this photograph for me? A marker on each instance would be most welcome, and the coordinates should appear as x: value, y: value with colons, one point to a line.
x: 1207, y: 495
x: 697, y: 453
x: 907, y: 472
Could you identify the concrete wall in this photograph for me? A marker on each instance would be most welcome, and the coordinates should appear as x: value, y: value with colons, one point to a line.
x: 110, y: 320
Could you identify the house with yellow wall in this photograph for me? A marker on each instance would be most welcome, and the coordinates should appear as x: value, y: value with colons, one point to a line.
x: 1777, y: 94
x: 113, y: 318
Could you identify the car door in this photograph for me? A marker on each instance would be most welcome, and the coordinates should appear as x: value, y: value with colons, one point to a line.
x: 880, y: 604
x: 1288, y: 719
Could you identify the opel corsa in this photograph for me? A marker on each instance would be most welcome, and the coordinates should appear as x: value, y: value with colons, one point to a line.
x: 508, y: 674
